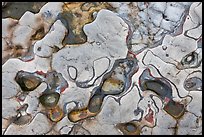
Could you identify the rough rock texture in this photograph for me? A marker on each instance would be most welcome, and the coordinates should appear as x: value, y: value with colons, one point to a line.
x: 103, y: 41
x: 102, y: 68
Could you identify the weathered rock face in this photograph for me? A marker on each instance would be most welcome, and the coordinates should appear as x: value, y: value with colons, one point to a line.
x: 77, y: 68
x: 19, y: 36
x: 103, y: 41
x: 151, y: 21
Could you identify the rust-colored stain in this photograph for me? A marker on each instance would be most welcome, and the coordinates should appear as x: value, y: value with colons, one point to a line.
x: 113, y: 81
x: 39, y: 34
x: 150, y: 116
x: 76, y: 15
x: 80, y: 114
x: 112, y: 84
x: 55, y: 114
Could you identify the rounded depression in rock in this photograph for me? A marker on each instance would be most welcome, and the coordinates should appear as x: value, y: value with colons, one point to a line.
x: 49, y: 99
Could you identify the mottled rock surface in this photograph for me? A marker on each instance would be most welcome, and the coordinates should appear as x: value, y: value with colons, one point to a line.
x: 102, y: 68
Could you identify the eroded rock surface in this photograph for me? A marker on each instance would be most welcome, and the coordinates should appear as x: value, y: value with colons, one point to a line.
x: 102, y: 68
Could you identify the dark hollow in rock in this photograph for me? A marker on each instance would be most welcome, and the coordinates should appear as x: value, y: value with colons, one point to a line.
x: 175, y: 109
x: 129, y: 128
x: 190, y: 61
x: 160, y: 88
x: 27, y: 81
x: 49, y: 99
x: 95, y: 103
x: 193, y: 83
